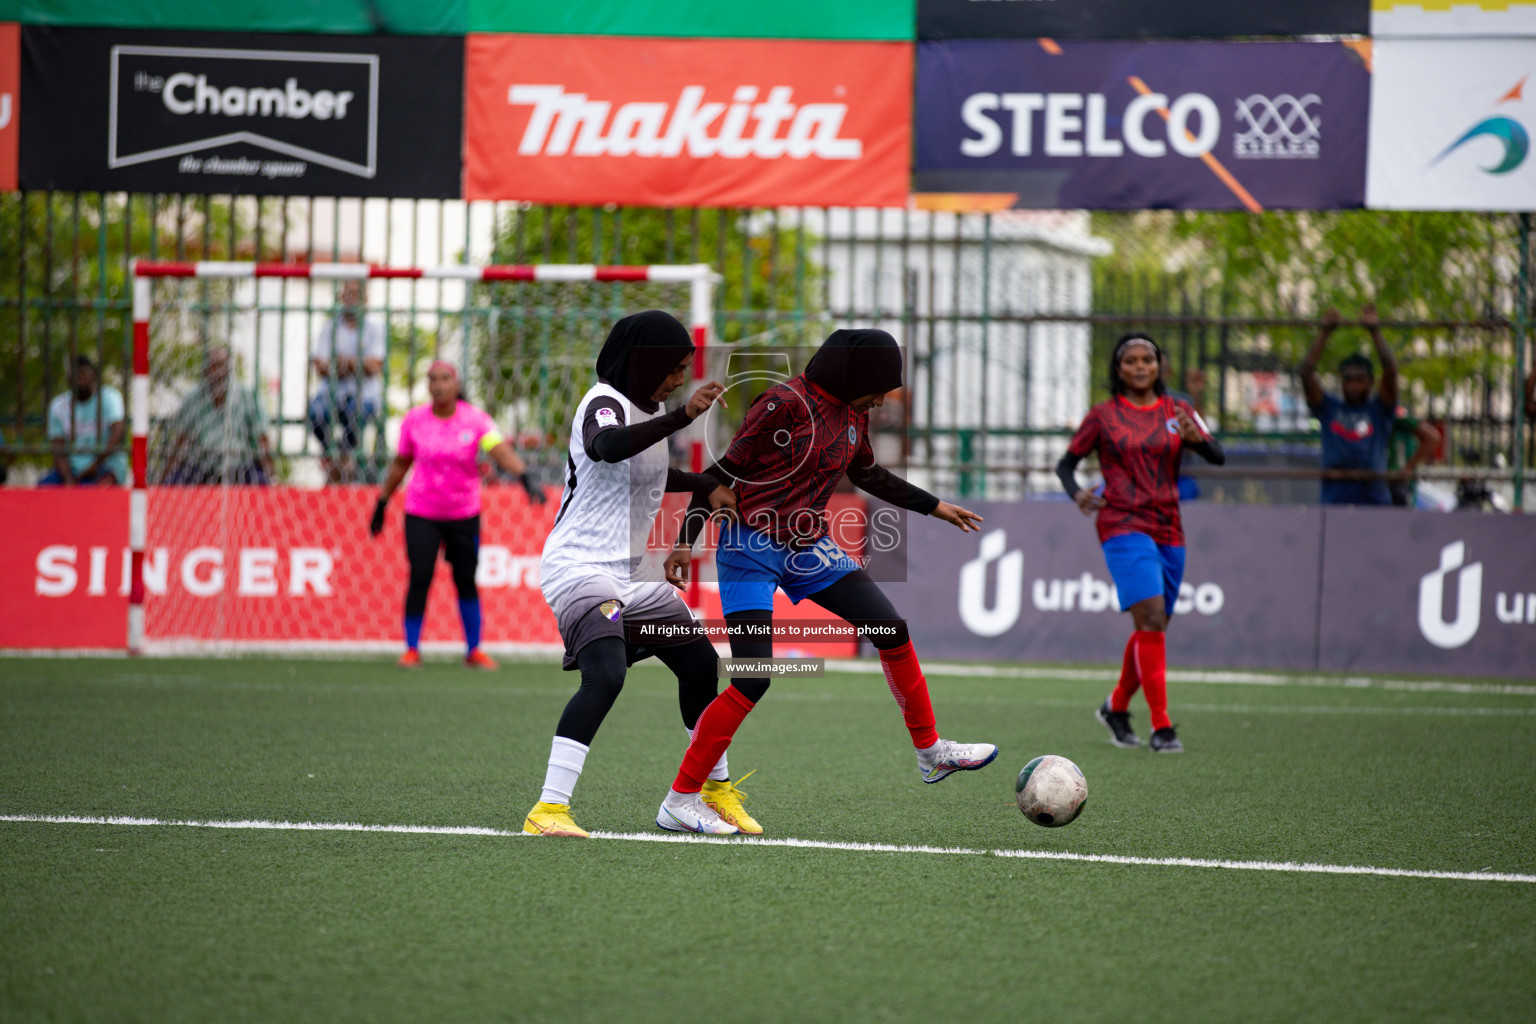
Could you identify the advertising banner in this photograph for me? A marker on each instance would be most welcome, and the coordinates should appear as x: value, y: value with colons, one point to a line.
x: 1446, y: 19
x: 1033, y: 586
x: 1130, y: 19
x: 1451, y: 124
x: 687, y: 122
x: 279, y: 565
x: 241, y: 113
x: 401, y: 17
x: 1444, y: 594
x: 782, y: 19
x: 1195, y: 125
x: 10, y: 102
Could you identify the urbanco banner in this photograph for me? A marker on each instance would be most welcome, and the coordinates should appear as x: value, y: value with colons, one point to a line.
x: 1033, y: 586
x: 1102, y: 125
x: 207, y: 112
x: 1429, y: 593
x: 684, y: 122
x: 1451, y: 125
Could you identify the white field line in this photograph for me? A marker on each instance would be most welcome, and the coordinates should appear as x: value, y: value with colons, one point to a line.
x: 1283, y: 867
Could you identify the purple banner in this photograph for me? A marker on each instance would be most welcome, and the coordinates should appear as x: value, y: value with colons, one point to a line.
x: 1034, y: 587
x: 1452, y: 594
x: 1295, y: 588
x: 1109, y: 125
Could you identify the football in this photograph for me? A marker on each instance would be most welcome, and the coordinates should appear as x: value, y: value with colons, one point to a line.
x: 1051, y: 791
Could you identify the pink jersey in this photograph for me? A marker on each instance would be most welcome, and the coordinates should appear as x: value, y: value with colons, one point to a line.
x: 445, y: 481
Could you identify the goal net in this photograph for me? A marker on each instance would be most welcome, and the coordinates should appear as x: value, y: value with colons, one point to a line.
x: 265, y: 411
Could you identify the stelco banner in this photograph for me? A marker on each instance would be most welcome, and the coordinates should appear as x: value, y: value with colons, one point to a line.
x: 1125, y: 19
x: 1451, y: 125
x: 240, y: 113
x: 1144, y: 125
x: 667, y: 122
x: 10, y: 102
x: 1289, y: 588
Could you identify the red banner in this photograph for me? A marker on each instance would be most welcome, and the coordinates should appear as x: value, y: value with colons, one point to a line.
x: 273, y: 565
x: 10, y: 102
x: 684, y: 122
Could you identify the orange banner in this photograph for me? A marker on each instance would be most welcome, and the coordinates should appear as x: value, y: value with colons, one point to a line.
x: 684, y: 122
x: 10, y: 102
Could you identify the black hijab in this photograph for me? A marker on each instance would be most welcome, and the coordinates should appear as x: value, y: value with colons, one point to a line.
x: 853, y: 363
x: 640, y: 352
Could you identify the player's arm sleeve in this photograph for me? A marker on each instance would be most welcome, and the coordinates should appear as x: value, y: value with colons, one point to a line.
x: 1208, y: 447
x: 1084, y: 441
x: 698, y: 483
x: 721, y: 474
x: 887, y: 486
x: 607, y: 438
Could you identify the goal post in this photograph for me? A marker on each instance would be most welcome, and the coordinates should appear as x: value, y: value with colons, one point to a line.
x: 690, y: 293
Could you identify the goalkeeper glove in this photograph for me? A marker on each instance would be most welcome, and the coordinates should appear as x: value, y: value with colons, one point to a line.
x: 535, y: 492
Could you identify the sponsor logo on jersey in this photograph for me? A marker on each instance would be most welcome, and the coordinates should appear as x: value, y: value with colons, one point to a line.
x: 610, y: 610
x: 607, y: 417
x: 853, y: 435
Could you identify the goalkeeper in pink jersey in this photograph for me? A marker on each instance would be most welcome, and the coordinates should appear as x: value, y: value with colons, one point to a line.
x: 442, y: 441
x: 798, y: 440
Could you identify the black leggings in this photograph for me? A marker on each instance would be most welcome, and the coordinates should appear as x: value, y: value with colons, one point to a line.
x: 856, y: 599
x: 459, y: 540
x: 603, y: 662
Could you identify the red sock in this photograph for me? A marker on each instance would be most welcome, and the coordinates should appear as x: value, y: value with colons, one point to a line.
x: 1130, y: 679
x: 1152, y: 666
x: 905, y: 677
x: 711, y: 736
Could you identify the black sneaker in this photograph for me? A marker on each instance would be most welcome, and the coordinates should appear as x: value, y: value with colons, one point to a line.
x: 1119, y: 725
x: 1166, y: 741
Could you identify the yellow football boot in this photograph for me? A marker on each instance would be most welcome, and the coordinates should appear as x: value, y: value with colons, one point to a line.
x: 553, y: 820
x: 724, y: 798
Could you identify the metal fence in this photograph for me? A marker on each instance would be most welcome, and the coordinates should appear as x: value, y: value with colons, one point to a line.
x: 1007, y: 317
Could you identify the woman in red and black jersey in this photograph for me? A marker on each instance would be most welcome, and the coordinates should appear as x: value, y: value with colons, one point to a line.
x: 1139, y: 435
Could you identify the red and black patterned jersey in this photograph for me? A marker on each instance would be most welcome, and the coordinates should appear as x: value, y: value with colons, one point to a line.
x: 1139, y: 452
x: 789, y: 454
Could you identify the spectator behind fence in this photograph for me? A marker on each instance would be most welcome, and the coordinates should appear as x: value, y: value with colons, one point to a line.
x: 86, y: 429
x: 1411, y: 444
x: 218, y: 435
x: 1189, y: 486
x: 348, y: 357
x: 1357, y: 425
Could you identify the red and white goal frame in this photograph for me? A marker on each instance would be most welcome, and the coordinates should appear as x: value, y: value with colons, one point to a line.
x: 699, y: 277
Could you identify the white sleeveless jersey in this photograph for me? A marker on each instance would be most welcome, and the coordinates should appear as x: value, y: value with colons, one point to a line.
x: 607, y: 510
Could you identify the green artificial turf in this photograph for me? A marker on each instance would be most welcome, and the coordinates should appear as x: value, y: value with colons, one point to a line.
x: 160, y: 923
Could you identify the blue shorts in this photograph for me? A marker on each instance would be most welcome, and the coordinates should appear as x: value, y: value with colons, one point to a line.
x: 752, y: 565
x: 1143, y: 568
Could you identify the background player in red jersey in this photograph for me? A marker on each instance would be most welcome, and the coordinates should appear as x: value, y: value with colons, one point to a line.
x: 1139, y: 435
x: 798, y: 440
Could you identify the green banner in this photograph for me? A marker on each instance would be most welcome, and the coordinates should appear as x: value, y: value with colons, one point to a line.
x: 10, y: 10
x: 746, y: 19
x: 349, y: 17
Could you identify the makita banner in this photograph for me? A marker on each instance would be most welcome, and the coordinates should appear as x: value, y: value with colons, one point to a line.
x: 283, y: 566
x: 676, y: 122
x: 237, y: 113
x: 1298, y: 588
x: 1451, y: 125
x: 10, y: 102
x: 1126, y: 19
x: 1422, y: 593
x: 1197, y: 125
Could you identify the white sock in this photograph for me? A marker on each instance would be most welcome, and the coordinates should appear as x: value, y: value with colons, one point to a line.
x: 566, y: 759
x: 929, y: 753
x: 722, y: 769
x: 677, y: 800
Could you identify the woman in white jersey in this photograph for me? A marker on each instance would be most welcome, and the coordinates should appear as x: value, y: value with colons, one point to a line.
x: 613, y: 605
